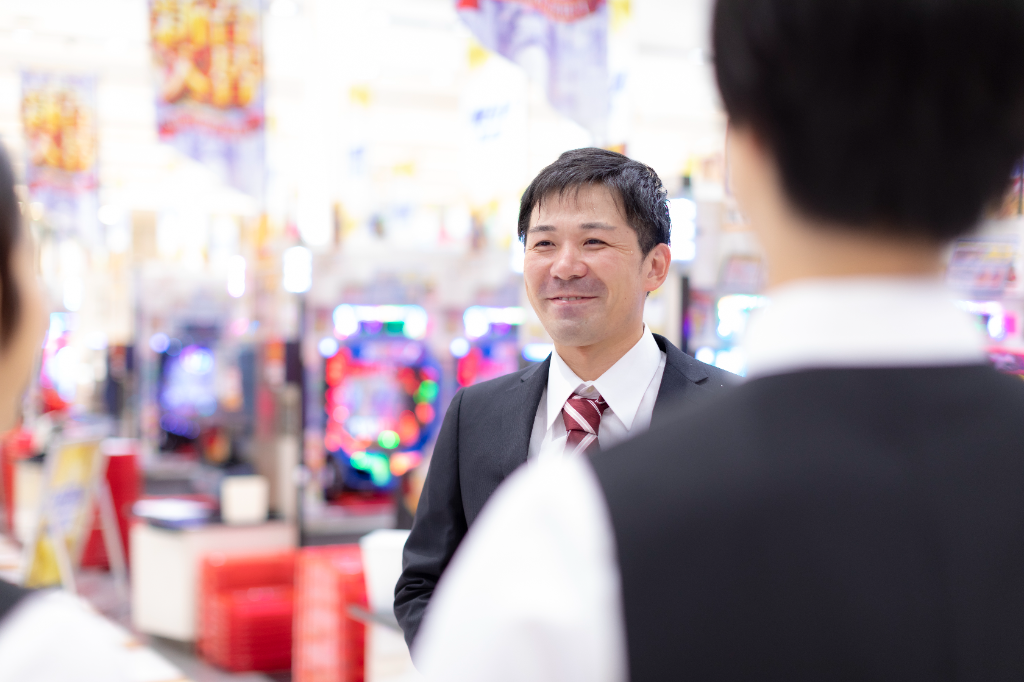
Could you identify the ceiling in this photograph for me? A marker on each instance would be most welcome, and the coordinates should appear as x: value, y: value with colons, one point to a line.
x: 389, y: 78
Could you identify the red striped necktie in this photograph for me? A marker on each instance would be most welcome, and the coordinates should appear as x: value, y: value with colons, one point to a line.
x: 582, y: 417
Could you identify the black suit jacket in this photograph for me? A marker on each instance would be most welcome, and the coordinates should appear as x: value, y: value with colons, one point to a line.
x: 484, y: 438
x: 835, y: 524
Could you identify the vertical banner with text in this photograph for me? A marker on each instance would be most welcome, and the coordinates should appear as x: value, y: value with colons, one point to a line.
x: 562, y: 43
x: 58, y: 114
x: 208, y: 56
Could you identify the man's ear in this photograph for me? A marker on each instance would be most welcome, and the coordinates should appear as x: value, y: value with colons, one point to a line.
x: 656, y: 267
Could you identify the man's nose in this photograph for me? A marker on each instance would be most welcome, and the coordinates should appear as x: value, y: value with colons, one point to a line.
x: 568, y: 263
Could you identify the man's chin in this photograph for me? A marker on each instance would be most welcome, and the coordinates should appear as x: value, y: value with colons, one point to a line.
x: 573, y: 336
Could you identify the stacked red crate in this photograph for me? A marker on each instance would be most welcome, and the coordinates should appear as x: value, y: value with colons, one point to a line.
x: 246, y: 610
x: 329, y: 645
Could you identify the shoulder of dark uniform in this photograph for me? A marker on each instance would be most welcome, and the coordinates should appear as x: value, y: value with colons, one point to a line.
x: 751, y: 434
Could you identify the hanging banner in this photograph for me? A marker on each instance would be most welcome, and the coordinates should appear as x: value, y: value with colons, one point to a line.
x: 563, y: 43
x: 208, y: 56
x: 58, y: 114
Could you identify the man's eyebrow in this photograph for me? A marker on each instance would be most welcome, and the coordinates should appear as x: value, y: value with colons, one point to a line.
x: 584, y: 226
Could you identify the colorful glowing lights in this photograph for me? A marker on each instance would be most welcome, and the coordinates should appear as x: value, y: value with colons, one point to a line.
x: 409, y: 320
x: 402, y: 462
x: 388, y: 440
x: 425, y: 413
x: 408, y: 428
x: 159, y: 342
x: 197, y: 360
x: 373, y: 463
x: 459, y: 347
x: 427, y: 392
x: 328, y: 347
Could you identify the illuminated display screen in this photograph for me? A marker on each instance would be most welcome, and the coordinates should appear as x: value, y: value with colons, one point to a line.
x: 188, y: 392
x: 382, y: 397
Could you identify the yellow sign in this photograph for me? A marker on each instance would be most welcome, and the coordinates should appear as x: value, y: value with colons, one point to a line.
x: 72, y: 472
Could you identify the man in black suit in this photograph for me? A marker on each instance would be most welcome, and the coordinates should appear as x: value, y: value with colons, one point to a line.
x: 596, y: 230
x: 853, y: 511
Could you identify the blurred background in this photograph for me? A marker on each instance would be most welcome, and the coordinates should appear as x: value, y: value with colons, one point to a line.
x: 279, y: 235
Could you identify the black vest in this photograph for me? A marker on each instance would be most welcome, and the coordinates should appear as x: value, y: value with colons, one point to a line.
x: 827, y: 525
x: 10, y: 596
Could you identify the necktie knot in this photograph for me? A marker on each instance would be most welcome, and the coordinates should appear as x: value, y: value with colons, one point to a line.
x: 582, y: 417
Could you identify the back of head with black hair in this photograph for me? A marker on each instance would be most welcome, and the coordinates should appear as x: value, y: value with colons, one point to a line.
x: 639, y: 191
x: 10, y: 232
x: 898, y: 116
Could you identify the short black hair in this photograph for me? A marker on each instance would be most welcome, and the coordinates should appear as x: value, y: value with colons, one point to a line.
x: 10, y: 233
x: 643, y: 197
x: 904, y: 116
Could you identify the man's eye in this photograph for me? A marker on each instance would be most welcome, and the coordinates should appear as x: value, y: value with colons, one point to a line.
x: 543, y: 243
x: 592, y: 242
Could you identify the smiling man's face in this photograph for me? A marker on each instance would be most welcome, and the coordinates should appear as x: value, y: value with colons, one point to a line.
x: 585, y: 274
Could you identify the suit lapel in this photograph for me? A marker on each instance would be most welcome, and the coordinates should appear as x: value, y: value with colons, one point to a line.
x: 682, y: 373
x: 517, y: 412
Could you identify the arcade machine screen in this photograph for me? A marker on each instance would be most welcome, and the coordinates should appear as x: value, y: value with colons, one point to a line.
x: 187, y: 392
x: 491, y: 346
x: 382, y: 396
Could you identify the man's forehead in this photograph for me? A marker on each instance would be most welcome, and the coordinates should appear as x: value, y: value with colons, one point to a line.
x: 582, y: 200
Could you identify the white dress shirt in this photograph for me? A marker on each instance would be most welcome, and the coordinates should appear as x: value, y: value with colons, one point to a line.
x: 54, y: 636
x: 630, y: 387
x: 534, y: 592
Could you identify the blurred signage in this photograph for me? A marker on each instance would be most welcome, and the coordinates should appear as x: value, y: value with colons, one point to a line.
x: 58, y: 115
x: 563, y: 43
x: 982, y: 266
x: 208, y: 58
x: 73, y: 472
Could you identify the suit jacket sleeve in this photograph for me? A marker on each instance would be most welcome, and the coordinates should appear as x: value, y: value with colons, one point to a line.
x: 438, y: 529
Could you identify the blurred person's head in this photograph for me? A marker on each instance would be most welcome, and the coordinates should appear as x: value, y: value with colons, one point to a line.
x: 23, y: 314
x: 866, y: 134
x: 595, y: 225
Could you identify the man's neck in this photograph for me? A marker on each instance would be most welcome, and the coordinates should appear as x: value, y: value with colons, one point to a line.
x: 590, y: 362
x: 821, y: 251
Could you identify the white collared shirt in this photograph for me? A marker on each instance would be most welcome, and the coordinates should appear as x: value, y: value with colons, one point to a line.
x: 534, y: 592
x: 630, y: 387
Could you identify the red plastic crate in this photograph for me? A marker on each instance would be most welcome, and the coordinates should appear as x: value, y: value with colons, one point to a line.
x: 329, y: 645
x: 246, y: 611
x: 227, y: 573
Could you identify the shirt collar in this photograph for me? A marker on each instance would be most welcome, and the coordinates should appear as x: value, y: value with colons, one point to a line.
x: 622, y: 386
x: 860, y: 322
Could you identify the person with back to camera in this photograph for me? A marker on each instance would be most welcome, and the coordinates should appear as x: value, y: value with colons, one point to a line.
x: 595, y: 226
x: 45, y: 635
x: 854, y: 510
